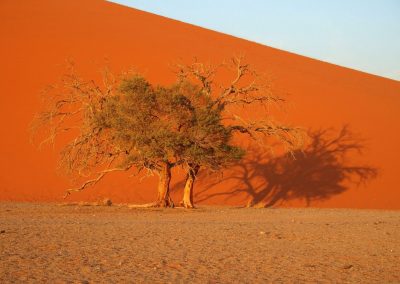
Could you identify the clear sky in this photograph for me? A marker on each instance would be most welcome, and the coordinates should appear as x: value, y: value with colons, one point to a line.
x: 360, y: 34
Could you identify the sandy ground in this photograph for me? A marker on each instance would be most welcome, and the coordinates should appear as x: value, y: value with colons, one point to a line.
x: 87, y: 244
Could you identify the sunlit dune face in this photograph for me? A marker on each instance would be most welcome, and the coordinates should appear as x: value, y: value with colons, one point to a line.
x: 38, y: 36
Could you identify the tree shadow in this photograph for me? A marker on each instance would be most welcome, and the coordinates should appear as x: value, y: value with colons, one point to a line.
x: 323, y: 169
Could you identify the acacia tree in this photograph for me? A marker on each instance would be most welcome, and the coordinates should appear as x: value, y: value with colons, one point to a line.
x: 226, y: 104
x: 129, y: 123
x: 147, y: 122
x: 125, y: 123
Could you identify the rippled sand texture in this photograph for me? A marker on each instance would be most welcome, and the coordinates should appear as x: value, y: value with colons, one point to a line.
x: 81, y: 244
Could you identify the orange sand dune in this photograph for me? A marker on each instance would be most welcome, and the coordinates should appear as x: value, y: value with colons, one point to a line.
x: 37, y: 36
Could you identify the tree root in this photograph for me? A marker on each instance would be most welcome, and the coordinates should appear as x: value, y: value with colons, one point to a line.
x: 186, y: 206
x: 156, y: 204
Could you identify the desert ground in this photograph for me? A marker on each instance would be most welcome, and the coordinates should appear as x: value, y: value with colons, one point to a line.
x: 97, y: 244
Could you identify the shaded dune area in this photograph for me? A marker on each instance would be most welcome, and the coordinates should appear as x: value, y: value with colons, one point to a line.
x: 351, y: 160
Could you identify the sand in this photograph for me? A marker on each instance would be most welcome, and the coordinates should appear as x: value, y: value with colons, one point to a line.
x: 88, y: 244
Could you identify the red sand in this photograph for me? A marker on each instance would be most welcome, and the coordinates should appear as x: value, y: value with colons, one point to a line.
x: 37, y: 36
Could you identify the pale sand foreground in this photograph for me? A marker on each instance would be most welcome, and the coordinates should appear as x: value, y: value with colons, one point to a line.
x: 81, y: 244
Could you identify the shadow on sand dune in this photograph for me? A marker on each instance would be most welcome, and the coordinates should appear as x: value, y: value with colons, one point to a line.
x: 324, y: 169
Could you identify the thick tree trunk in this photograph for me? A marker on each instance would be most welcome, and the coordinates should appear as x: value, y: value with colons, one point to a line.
x: 164, y: 199
x: 187, y: 200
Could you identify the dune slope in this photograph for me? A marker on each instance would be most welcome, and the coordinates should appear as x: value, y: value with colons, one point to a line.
x: 37, y: 36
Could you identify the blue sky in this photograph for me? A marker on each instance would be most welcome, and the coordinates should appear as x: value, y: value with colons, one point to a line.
x: 360, y: 34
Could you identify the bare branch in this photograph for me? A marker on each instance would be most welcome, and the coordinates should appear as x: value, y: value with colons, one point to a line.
x: 94, y: 181
x: 201, y: 72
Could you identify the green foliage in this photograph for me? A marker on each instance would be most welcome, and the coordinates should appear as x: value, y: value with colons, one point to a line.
x: 177, y: 124
x: 211, y: 141
x: 129, y: 122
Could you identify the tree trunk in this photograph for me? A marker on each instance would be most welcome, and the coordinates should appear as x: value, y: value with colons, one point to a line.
x: 164, y: 199
x: 187, y: 201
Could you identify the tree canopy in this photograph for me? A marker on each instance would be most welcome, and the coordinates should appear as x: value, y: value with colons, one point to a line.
x: 130, y: 123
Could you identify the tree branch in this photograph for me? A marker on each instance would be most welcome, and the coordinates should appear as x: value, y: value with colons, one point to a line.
x: 95, y: 180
